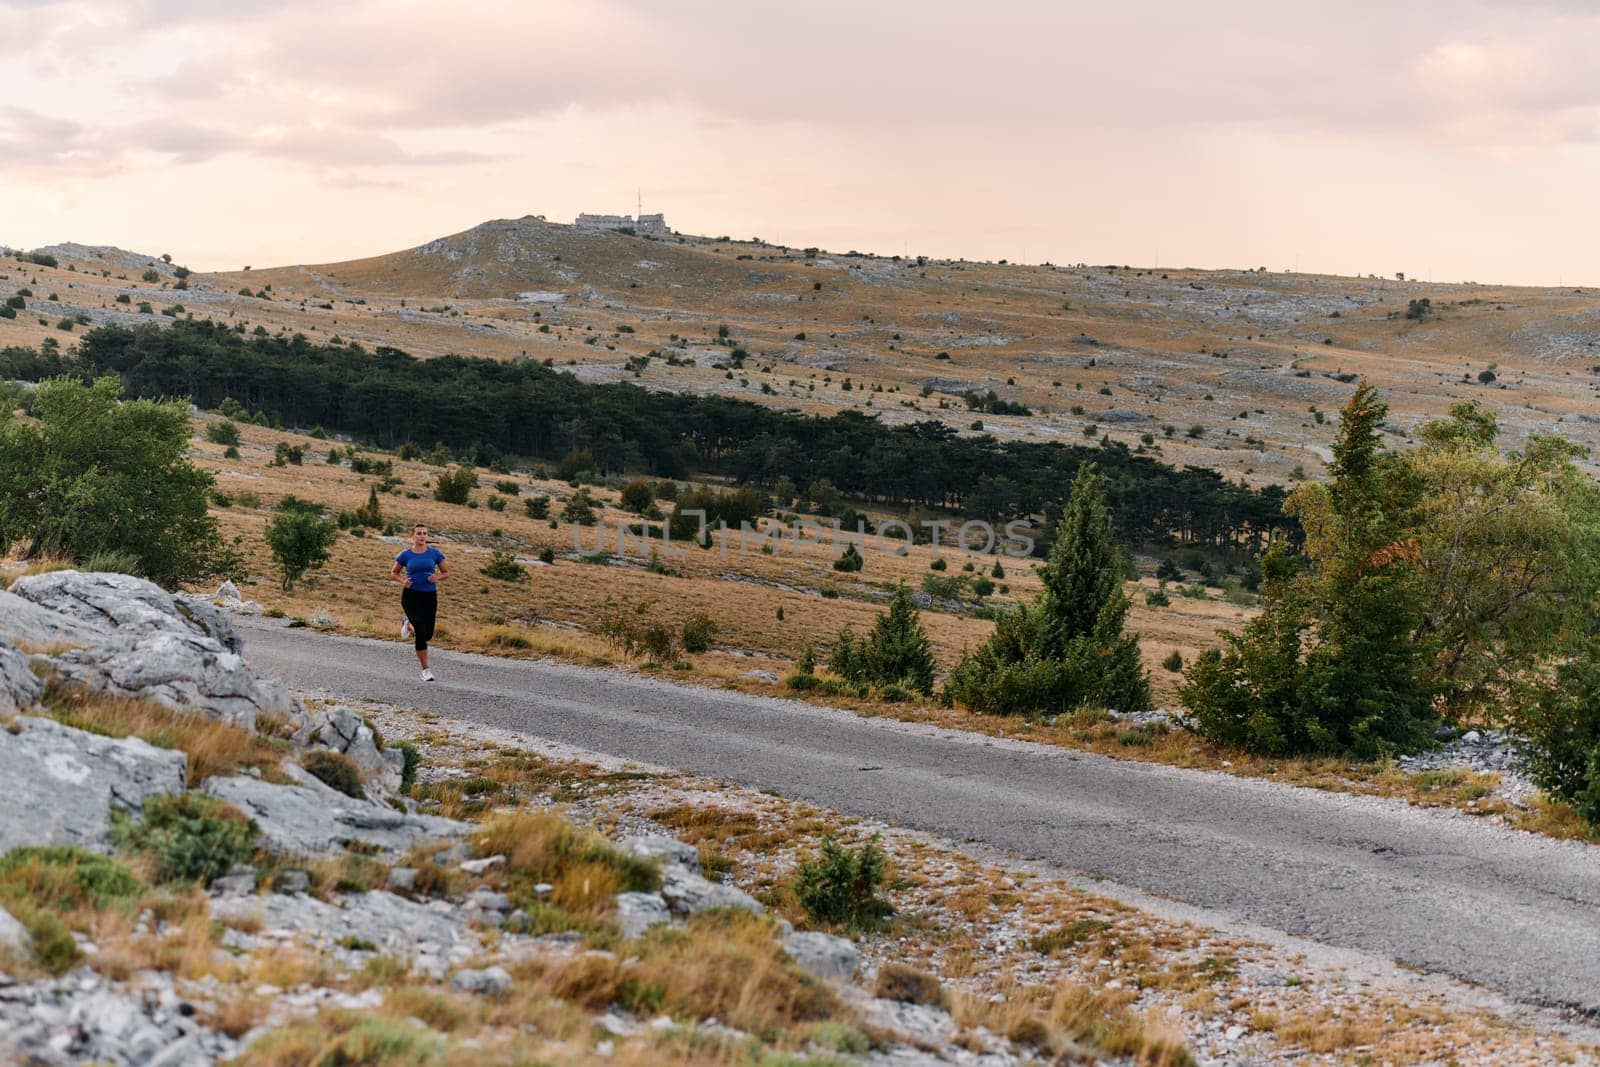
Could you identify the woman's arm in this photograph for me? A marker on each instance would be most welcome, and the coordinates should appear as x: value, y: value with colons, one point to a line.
x: 398, y: 573
x: 441, y: 571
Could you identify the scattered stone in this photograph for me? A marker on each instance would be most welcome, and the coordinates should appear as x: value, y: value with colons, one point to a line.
x: 688, y: 893
x: 291, y: 882
x: 662, y: 847
x: 478, y: 866
x: 402, y: 879
x: 823, y: 955
x: 638, y: 912
x: 62, y: 783
x: 761, y: 676
x: 488, y: 982
x: 432, y: 936
x: 235, y: 884
x: 489, y: 900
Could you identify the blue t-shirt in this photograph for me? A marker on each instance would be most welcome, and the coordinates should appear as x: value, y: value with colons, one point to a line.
x: 419, y: 567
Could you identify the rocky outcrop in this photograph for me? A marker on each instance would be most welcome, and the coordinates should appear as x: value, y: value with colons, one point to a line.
x: 347, y: 733
x: 432, y: 937
x: 181, y: 671
x: 62, y: 784
x: 20, y: 688
x: 310, y: 818
x: 824, y: 955
x: 126, y: 637
x: 638, y: 912
x: 123, y: 604
x: 685, y: 891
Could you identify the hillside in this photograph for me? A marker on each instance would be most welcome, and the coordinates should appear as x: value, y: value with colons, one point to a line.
x: 1226, y: 369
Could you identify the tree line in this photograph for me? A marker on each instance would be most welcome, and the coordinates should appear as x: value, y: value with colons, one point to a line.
x: 488, y: 409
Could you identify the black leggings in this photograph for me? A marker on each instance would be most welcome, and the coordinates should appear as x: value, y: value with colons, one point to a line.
x: 422, y: 609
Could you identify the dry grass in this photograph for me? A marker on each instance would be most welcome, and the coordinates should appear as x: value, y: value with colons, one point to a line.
x: 213, y: 747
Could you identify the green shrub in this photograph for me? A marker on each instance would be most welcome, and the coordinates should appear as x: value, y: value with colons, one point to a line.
x: 509, y: 488
x: 849, y: 561
x: 298, y: 538
x: 1157, y: 597
x: 579, y: 509
x: 638, y: 496
x: 193, y: 837
x: 413, y: 761
x: 1173, y: 662
x: 91, y: 473
x: 335, y: 770
x: 537, y: 507
x: 225, y: 432
x: 697, y: 632
x: 838, y: 886
x: 455, y: 486
x: 504, y: 567
x: 896, y: 653
x: 1560, y: 735
x: 63, y: 877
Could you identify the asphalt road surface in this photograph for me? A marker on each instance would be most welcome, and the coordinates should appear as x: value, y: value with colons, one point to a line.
x: 1439, y: 891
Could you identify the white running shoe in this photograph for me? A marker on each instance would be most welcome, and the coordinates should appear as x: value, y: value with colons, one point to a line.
x: 427, y: 676
x: 406, y: 628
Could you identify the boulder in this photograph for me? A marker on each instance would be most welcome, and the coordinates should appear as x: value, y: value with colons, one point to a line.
x: 661, y: 847
x: 824, y: 955
x: 638, y: 912
x: 342, y: 730
x: 20, y: 688
x: 14, y: 937
x: 687, y: 893
x: 310, y: 818
x: 128, y: 637
x: 121, y: 603
x: 37, y: 628
x: 488, y: 982
x: 62, y: 784
x: 181, y: 671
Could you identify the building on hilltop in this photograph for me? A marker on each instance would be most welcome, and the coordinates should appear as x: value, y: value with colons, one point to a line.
x: 652, y: 224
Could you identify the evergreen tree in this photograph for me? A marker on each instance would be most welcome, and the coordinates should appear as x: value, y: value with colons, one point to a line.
x: 1068, y: 647
x: 1336, y: 662
x: 895, y: 652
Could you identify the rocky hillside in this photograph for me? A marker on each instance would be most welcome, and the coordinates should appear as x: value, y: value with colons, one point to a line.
x: 1234, y: 370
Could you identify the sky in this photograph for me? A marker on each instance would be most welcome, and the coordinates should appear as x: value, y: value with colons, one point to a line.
x: 1451, y: 139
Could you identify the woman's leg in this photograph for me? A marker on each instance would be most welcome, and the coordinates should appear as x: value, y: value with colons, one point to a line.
x: 424, y: 615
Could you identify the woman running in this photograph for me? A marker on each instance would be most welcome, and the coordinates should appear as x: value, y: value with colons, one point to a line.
x: 418, y: 569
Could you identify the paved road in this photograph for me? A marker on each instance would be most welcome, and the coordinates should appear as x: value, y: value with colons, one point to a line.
x: 1441, y: 892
